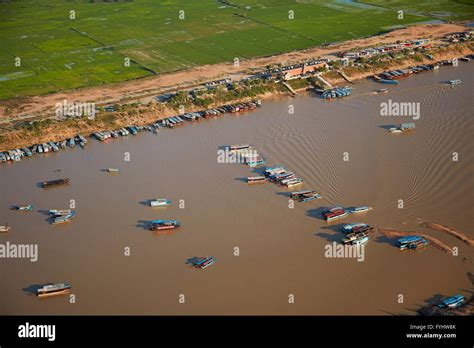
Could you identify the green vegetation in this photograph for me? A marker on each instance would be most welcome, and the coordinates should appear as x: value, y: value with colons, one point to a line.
x: 59, y: 53
x: 441, y: 9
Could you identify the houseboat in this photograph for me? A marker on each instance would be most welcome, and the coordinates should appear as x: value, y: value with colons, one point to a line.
x: 356, y: 227
x: 334, y: 213
x: 156, y: 225
x: 256, y: 180
x: 53, y: 290
x: 51, y: 183
x: 412, y: 243
x: 160, y: 202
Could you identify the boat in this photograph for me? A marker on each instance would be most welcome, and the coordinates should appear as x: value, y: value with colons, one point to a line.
x: 356, y: 227
x: 28, y: 207
x: 159, y: 202
x: 356, y: 238
x: 454, y: 82
x: 412, y: 242
x: 204, y: 262
x: 53, y: 290
x: 59, y: 212
x: 51, y: 183
x: 239, y: 147
x: 294, y: 182
x: 395, y: 130
x: 4, y: 228
x: 254, y: 160
x: 112, y: 170
x: 452, y: 302
x: 403, y: 127
x: 72, y: 142
x: 163, y: 224
x: 61, y: 219
x: 256, y: 179
x: 381, y: 91
x: 359, y: 209
x: 334, y: 213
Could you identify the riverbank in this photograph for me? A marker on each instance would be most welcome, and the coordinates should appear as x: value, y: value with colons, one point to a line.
x: 146, y: 111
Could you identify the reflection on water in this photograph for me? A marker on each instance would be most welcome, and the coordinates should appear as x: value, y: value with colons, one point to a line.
x: 280, y: 250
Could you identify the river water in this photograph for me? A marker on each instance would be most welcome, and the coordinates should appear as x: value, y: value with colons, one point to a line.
x: 281, y: 251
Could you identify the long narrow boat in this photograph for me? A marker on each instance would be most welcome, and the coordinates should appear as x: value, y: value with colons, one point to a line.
x: 28, y: 207
x: 112, y: 170
x: 256, y: 180
x: 51, y: 183
x: 204, y: 262
x: 360, y: 209
x: 59, y: 212
x: 160, y: 202
x: 53, y: 290
x: 239, y: 147
x: 356, y: 238
x: 163, y: 224
x: 452, y: 302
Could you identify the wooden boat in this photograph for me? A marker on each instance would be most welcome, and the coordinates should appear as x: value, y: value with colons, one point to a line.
x: 412, y: 242
x: 256, y: 180
x: 361, y: 240
x: 28, y: 207
x: 51, y: 183
x: 53, y: 290
x: 163, y: 224
x: 160, y: 202
x: 353, y: 237
x: 112, y: 170
x: 4, y: 228
x: 452, y: 302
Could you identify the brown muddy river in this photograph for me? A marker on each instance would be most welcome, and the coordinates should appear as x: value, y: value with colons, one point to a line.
x: 281, y: 250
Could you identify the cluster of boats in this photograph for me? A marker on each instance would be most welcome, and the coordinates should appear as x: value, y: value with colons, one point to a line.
x: 203, y: 262
x: 305, y: 196
x: 58, y: 216
x: 282, y: 176
x: 170, y: 122
x: 19, y: 154
x: 356, y: 233
x: 338, y: 92
x: 391, y: 76
x: 412, y: 243
x: 339, y: 212
x: 403, y: 127
x: 157, y: 225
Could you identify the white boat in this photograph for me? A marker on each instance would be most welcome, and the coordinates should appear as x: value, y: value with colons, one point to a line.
x: 59, y: 212
x: 159, y: 202
x: 5, y: 228
x: 112, y: 170
x: 360, y: 209
x: 395, y: 130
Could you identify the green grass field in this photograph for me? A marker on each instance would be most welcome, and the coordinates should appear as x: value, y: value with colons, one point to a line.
x: 58, y: 53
